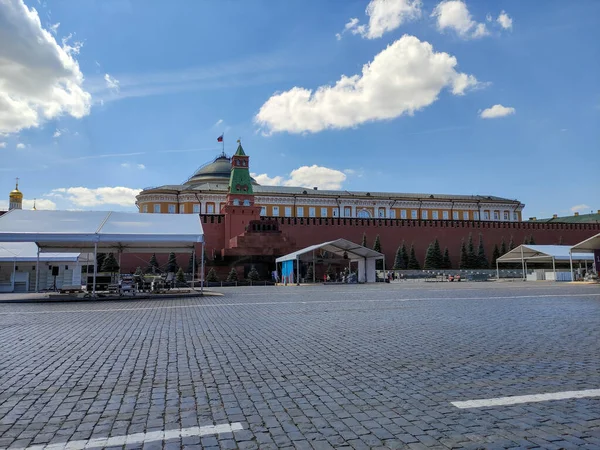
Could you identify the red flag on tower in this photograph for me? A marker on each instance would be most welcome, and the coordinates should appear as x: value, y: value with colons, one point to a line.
x: 220, y: 138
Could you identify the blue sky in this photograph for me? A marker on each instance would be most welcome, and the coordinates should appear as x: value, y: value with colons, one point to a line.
x: 157, y: 82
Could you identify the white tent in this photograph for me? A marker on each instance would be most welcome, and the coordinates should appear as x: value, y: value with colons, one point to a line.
x: 93, y: 231
x: 16, y: 267
x: 365, y: 257
x: 542, y: 253
x: 589, y: 245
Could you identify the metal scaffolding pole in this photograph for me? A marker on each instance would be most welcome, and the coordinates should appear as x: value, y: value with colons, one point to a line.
x: 95, y: 268
x: 37, y: 271
x: 202, y: 270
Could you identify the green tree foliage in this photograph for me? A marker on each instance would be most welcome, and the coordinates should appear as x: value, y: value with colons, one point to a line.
x: 232, y: 276
x: 172, y: 263
x: 212, y: 275
x: 438, y: 258
x: 560, y: 241
x: 447, y: 263
x: 153, y: 264
x: 364, y: 240
x: 310, y: 272
x: 377, y: 244
x: 413, y: 263
x: 139, y: 271
x: 511, y: 244
x: 180, y: 277
x: 472, y: 258
x: 503, y: 247
x: 495, y: 256
x: 405, y: 256
x: 398, y: 260
x: 526, y: 240
x: 429, y: 262
x: 253, y: 275
x: 192, y: 264
x: 464, y: 257
x: 531, y: 240
x: 482, y: 262
x: 331, y: 272
x: 100, y: 257
x: 110, y: 264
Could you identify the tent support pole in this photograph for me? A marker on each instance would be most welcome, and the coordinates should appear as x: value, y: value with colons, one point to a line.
x: 523, y: 264
x: 497, y: 271
x: 314, y: 269
x: 554, y: 267
x: 14, y: 275
x: 571, y: 263
x: 297, y: 271
x: 193, y: 266
x: 95, y: 268
x: 37, y: 271
x: 202, y: 270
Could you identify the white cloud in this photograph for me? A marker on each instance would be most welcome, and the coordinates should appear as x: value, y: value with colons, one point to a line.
x: 58, y: 133
x: 497, y: 111
x: 54, y: 28
x: 20, y: 146
x: 384, y: 16
x: 405, y: 77
x: 454, y: 15
x: 40, y: 203
x: 504, y: 20
x: 580, y: 208
x: 111, y: 83
x: 2, y: 144
x: 86, y: 197
x: 137, y: 166
x: 219, y: 122
x: 306, y: 176
x: 141, y: 166
x: 40, y: 79
x: 488, y: 17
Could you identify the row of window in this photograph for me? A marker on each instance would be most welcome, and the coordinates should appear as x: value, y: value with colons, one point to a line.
x: 347, y: 212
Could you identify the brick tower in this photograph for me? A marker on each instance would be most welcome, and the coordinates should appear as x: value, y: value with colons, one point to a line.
x: 239, y: 209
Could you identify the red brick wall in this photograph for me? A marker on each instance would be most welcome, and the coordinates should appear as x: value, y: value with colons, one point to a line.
x: 313, y: 231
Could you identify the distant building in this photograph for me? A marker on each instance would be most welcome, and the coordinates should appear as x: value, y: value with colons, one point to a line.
x: 15, y: 198
x: 575, y: 218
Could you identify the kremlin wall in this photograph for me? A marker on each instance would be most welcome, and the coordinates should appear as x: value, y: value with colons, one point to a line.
x: 247, y: 224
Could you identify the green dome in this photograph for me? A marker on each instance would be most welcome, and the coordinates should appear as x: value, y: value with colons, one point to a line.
x: 217, y: 171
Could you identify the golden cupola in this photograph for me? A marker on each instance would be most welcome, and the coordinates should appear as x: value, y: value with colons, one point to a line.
x: 15, y: 198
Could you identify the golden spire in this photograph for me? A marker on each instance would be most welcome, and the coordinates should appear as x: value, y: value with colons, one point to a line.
x: 15, y: 198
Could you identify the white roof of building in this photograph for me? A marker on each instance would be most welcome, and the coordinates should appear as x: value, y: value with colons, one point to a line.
x: 27, y: 252
x: 338, y: 247
x: 68, y: 231
x: 589, y: 245
x: 543, y: 252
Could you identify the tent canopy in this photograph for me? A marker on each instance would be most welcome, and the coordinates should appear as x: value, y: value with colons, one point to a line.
x: 354, y: 251
x: 543, y: 253
x: 589, y: 245
x: 80, y: 231
x: 27, y: 252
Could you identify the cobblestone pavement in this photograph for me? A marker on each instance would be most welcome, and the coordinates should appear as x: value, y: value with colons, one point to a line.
x: 308, y: 367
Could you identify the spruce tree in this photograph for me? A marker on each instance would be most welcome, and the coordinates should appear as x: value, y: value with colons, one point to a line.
x: 446, y: 262
x: 192, y: 264
x: 560, y: 240
x: 232, y: 276
x: 511, y: 244
x: 429, y: 262
x: 100, y: 257
x: 472, y: 259
x: 398, y: 261
x: 438, y: 258
x: 503, y: 247
x: 331, y: 272
x: 153, y: 264
x: 180, y: 277
x: 413, y: 263
x: 526, y: 240
x: 405, y: 256
x: 464, y: 257
x: 482, y: 262
x: 110, y: 264
x: 377, y: 244
x: 172, y: 263
x: 531, y: 240
x: 212, y: 275
x: 138, y: 271
x: 364, y: 240
x: 495, y: 256
x: 309, y: 272
x: 253, y: 275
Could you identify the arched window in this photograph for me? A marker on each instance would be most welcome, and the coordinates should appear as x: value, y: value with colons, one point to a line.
x: 246, y: 202
x: 236, y: 202
x: 364, y: 214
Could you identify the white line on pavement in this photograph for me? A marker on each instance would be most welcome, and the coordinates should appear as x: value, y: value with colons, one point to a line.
x: 503, y: 401
x: 383, y: 300
x: 140, y: 438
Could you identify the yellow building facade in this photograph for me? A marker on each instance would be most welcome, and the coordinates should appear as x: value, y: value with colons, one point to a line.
x: 206, y: 190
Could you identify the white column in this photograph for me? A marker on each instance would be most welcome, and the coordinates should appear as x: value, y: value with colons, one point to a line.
x: 523, y: 264
x: 297, y: 271
x: 95, y: 269
x: 497, y: 271
x: 14, y: 275
x: 554, y: 267
x: 37, y: 271
x: 571, y: 263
